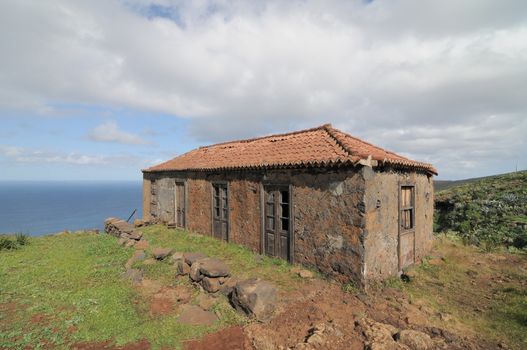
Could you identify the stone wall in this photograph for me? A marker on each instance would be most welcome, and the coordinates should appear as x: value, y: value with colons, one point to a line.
x: 339, y: 227
x: 382, y: 219
x: 326, y: 209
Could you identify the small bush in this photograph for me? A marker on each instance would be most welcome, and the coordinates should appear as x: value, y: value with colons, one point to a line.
x: 351, y: 288
x: 520, y: 241
x: 22, y: 239
x: 7, y: 244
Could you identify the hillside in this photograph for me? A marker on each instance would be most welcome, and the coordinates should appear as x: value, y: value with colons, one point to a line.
x: 442, y: 185
x: 71, y: 291
x: 486, y: 212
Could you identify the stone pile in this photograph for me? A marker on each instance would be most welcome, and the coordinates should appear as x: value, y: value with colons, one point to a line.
x: 212, y: 274
x: 253, y: 297
x: 127, y: 234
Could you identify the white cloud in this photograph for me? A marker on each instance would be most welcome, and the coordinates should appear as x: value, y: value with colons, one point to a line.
x: 414, y: 76
x: 110, y: 132
x: 35, y: 156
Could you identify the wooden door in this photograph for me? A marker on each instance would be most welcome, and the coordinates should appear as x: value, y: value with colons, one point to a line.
x: 220, y: 211
x: 277, y: 222
x: 180, y: 209
x: 406, y: 226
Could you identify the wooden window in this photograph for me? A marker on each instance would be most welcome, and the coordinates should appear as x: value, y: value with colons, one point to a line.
x: 407, y: 207
x: 220, y: 210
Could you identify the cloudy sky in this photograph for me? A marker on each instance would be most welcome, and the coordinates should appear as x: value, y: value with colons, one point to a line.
x: 100, y: 89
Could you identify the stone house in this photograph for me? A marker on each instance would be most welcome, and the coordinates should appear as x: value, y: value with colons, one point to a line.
x: 317, y: 197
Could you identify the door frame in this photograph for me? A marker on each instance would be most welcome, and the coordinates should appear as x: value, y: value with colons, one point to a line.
x: 291, y: 228
x: 185, y: 202
x: 226, y: 184
x: 400, y: 231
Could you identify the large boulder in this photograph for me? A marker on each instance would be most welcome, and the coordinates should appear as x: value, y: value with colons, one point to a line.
x: 213, y: 268
x: 255, y: 298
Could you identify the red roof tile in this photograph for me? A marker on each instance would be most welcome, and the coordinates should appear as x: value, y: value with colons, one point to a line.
x: 317, y: 147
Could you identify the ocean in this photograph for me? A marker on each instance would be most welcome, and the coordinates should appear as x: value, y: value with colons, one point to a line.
x: 39, y: 208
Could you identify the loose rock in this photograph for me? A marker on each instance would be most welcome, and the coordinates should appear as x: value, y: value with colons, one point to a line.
x: 213, y: 267
x: 211, y: 285
x: 306, y: 274
x: 195, y: 271
x: 177, y: 256
x: 415, y: 340
x: 161, y: 253
x: 228, y: 285
x: 191, y: 257
x: 379, y: 335
x: 182, y: 268
x: 141, y: 244
x: 254, y: 297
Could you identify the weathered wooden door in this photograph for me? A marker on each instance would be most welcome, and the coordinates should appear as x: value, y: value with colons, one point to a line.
x: 406, y: 226
x: 180, y: 209
x: 277, y: 222
x: 220, y: 211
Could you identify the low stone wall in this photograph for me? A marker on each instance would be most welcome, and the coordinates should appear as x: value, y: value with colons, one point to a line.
x: 127, y: 233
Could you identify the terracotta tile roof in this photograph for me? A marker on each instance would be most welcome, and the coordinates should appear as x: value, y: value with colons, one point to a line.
x: 316, y: 147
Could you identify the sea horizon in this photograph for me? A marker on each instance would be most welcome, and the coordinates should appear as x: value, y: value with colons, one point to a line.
x: 41, y: 207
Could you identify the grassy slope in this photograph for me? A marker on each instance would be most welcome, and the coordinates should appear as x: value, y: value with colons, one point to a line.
x: 482, y: 294
x: 485, y: 211
x: 67, y: 289
x: 442, y: 185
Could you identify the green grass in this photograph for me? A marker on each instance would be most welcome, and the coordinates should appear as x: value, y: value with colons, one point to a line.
x: 484, y: 293
x: 243, y: 262
x: 67, y: 288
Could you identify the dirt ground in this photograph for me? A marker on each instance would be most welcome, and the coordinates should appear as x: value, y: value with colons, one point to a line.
x: 225, y: 339
x: 458, y: 287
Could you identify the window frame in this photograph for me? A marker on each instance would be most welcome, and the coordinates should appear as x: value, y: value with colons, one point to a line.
x: 411, y: 207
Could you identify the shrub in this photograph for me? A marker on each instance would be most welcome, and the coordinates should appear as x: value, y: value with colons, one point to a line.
x: 6, y: 243
x: 22, y: 239
x: 520, y: 241
x: 351, y: 288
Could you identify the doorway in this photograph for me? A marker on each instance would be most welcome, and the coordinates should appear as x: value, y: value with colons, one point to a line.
x: 180, y: 204
x: 277, y: 221
x: 406, y: 226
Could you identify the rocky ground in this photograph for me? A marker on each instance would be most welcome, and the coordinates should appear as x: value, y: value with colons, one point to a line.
x: 437, y: 309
